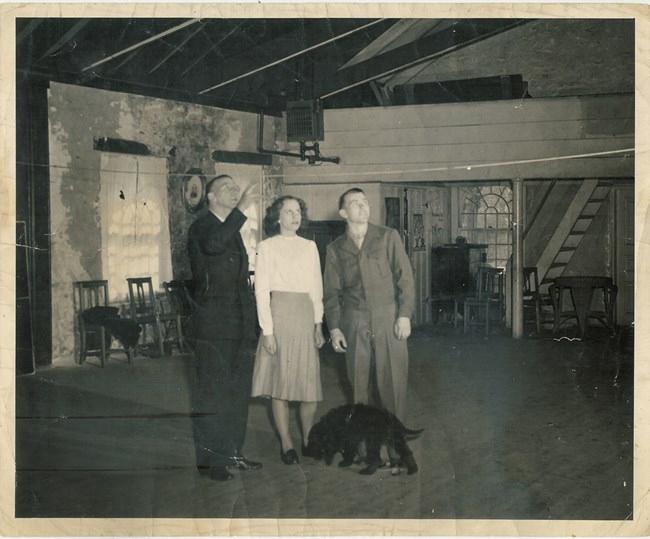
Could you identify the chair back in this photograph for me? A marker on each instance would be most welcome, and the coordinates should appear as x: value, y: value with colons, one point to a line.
x: 142, y: 300
x: 91, y: 294
x: 178, y: 296
x: 531, y: 282
x: 490, y: 283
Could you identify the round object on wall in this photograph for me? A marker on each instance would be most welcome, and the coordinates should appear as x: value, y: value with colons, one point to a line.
x: 193, y: 190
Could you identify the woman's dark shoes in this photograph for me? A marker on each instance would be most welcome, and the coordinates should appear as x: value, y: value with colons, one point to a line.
x: 290, y: 457
x: 306, y: 451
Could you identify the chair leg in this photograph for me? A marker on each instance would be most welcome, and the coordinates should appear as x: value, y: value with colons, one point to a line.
x: 465, y: 318
x: 181, y: 337
x: 487, y: 319
x: 82, y: 349
x: 538, y: 317
x: 159, y: 334
x: 102, y: 336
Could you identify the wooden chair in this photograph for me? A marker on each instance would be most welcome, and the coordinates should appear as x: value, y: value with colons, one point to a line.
x: 94, y: 294
x: 531, y: 296
x: 146, y: 311
x: 178, y: 295
x: 489, y: 299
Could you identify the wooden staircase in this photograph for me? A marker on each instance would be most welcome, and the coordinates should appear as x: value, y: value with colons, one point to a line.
x: 569, y: 233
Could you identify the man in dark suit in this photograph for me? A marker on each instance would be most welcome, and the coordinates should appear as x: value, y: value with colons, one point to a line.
x: 223, y: 324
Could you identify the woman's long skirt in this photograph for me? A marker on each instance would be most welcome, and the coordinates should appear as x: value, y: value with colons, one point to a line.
x: 293, y: 373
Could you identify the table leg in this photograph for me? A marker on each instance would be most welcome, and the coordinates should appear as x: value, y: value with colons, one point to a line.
x: 582, y: 302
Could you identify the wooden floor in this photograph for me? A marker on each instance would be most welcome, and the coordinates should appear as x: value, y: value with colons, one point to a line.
x: 537, y: 428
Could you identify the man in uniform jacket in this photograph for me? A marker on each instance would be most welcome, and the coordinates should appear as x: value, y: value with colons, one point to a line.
x: 222, y: 321
x: 369, y: 298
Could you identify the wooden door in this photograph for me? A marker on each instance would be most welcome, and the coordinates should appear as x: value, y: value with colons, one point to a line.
x: 418, y: 247
x: 624, y: 257
x: 413, y: 220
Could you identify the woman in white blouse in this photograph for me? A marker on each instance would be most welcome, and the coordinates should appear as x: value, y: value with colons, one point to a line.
x: 289, y: 294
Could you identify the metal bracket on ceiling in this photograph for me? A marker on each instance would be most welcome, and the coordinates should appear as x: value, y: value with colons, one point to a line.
x: 308, y: 152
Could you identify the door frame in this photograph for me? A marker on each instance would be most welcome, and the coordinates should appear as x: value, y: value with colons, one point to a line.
x: 620, y: 248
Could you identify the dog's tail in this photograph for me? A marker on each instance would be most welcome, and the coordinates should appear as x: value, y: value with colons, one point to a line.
x: 410, y: 433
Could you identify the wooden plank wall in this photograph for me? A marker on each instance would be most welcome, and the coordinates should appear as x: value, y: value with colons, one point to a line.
x: 322, y: 200
x: 465, y: 141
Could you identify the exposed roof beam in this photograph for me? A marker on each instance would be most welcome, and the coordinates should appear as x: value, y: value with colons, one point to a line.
x: 290, y: 56
x: 27, y: 29
x: 175, y: 49
x: 380, y: 94
x: 212, y: 46
x: 126, y: 60
x: 142, y: 43
x: 402, y: 32
x: 141, y: 88
x: 426, y: 48
x: 66, y: 37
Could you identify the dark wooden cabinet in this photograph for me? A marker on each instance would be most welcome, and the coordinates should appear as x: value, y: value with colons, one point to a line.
x: 453, y: 269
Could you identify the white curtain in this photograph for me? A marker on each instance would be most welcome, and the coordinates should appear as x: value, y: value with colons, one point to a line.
x: 134, y: 221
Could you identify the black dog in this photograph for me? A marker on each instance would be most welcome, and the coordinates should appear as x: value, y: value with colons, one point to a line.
x: 342, y: 429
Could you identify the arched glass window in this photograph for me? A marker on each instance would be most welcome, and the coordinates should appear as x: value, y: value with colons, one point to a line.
x: 486, y: 218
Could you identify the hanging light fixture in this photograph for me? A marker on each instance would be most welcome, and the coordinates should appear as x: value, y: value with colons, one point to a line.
x: 304, y: 123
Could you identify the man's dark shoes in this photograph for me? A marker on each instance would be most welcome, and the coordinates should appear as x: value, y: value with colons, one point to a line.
x: 217, y: 473
x: 290, y: 457
x: 244, y: 464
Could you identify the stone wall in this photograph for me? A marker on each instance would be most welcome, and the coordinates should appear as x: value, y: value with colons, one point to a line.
x: 185, y: 134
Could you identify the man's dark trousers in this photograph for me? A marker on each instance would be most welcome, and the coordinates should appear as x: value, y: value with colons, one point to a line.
x: 220, y: 379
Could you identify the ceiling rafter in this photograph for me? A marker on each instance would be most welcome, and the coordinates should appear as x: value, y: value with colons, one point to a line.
x: 212, y: 46
x: 266, y: 49
x: 27, y: 30
x: 126, y: 60
x: 142, y: 43
x: 290, y: 56
x: 176, y: 49
x: 403, y: 31
x: 420, y: 50
x: 65, y: 38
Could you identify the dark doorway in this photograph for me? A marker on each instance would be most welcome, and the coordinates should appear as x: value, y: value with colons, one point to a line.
x: 25, y: 363
x: 323, y: 233
x: 34, y: 304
